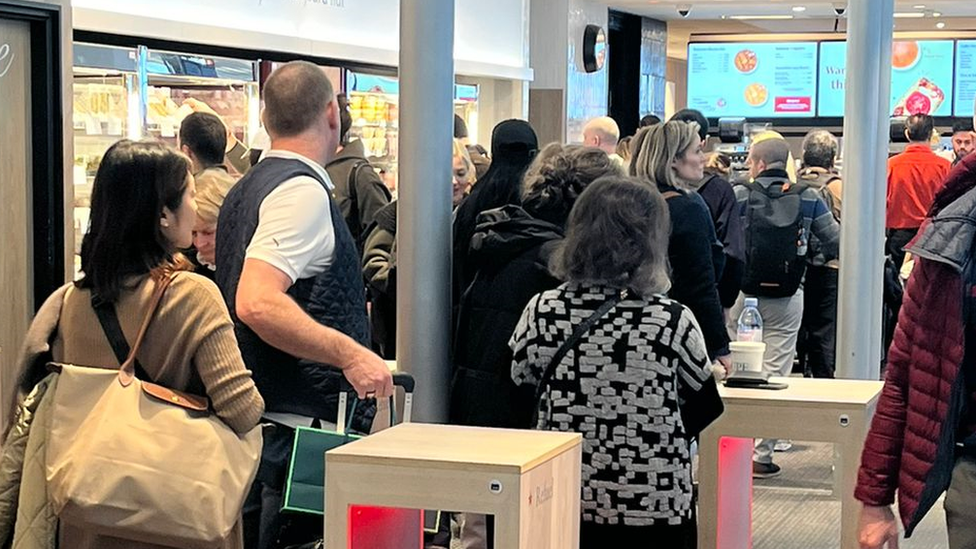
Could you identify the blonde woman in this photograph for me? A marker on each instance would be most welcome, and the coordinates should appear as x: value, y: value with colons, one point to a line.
x: 669, y: 156
x: 379, y: 255
x: 463, y: 172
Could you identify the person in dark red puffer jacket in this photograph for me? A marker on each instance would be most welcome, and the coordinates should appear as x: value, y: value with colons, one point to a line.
x: 922, y: 439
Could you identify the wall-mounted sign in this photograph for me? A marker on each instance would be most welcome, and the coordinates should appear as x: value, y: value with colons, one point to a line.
x: 6, y: 59
x: 754, y: 80
x: 921, y: 77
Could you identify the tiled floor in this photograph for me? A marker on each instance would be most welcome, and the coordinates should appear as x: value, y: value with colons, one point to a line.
x: 797, y: 511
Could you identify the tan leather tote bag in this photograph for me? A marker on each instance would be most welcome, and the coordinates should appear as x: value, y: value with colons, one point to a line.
x: 130, y: 459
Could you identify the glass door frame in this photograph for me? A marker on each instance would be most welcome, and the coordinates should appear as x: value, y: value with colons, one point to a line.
x: 47, y: 142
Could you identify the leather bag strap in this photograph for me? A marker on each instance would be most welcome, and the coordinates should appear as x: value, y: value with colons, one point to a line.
x: 127, y: 370
x: 570, y: 344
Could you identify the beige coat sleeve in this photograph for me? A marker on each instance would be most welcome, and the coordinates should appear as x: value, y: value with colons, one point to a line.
x: 12, y: 461
x: 37, y: 525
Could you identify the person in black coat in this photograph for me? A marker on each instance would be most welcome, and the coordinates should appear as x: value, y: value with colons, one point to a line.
x: 670, y: 156
x: 513, y: 147
x: 719, y: 196
x: 716, y: 189
x: 510, y: 253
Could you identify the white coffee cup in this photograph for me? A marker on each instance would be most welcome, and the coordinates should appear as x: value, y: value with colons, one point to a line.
x: 747, y: 358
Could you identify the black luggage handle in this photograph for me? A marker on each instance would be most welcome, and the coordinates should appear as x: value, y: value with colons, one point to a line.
x: 400, y: 379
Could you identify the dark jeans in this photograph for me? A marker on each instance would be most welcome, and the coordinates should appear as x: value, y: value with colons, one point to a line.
x: 818, y: 334
x: 597, y: 536
x: 894, y: 249
x: 896, y: 242
x: 265, y: 527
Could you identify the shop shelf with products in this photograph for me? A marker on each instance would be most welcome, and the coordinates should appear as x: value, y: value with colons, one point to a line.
x: 375, y: 111
x: 227, y: 86
x: 374, y: 107
x: 137, y: 93
x: 103, y: 103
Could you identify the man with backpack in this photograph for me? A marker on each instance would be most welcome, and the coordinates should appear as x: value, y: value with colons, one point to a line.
x: 359, y: 191
x: 818, y: 332
x: 779, y: 217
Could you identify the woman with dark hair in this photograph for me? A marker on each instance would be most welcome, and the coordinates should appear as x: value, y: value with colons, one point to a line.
x: 142, y: 212
x: 513, y: 146
x: 669, y: 156
x: 610, y: 357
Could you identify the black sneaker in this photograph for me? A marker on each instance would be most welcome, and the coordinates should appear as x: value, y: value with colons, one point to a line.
x: 765, y: 470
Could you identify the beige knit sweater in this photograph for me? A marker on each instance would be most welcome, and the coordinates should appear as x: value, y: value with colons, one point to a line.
x: 190, y: 346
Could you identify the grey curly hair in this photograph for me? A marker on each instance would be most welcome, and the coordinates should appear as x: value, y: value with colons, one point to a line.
x: 820, y: 149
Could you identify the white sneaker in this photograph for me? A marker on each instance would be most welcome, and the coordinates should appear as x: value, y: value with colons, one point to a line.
x: 783, y: 446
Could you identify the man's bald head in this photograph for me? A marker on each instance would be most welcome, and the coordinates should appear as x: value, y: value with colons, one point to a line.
x: 774, y: 152
x: 295, y: 97
x: 602, y: 133
x: 770, y: 154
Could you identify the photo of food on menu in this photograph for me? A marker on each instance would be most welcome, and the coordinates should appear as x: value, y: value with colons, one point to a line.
x: 921, y: 77
x: 753, y: 79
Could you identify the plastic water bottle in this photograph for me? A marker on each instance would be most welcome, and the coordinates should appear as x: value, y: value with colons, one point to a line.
x: 750, y: 322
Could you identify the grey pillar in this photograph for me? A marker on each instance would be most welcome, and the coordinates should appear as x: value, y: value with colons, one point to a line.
x: 424, y: 210
x: 866, y: 114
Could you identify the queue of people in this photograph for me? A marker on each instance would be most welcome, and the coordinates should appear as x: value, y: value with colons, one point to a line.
x: 595, y: 290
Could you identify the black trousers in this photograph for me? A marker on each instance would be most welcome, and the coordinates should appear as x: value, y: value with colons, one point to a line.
x: 265, y: 527
x: 599, y: 536
x: 818, y: 333
x: 895, y: 244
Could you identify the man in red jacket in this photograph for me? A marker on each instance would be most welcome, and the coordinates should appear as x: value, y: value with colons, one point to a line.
x: 914, y: 176
x: 922, y: 440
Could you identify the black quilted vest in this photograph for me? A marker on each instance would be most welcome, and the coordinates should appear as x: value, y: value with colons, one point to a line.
x: 335, y: 298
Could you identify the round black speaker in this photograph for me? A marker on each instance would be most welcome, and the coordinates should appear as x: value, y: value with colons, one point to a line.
x: 594, y: 48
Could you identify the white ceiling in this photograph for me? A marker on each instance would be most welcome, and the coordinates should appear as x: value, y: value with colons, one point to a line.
x: 710, y: 17
x: 816, y: 9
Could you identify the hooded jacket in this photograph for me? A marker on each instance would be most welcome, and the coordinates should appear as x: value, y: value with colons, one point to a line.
x: 828, y: 184
x: 510, y: 251
x: 27, y: 520
x: 910, y: 448
x: 359, y: 190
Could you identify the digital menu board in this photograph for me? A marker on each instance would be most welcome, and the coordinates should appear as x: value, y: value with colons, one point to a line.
x: 755, y: 80
x: 921, y: 77
x: 832, y: 79
x: 965, y: 93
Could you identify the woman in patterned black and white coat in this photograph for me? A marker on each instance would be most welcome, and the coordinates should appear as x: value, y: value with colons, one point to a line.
x: 637, y: 384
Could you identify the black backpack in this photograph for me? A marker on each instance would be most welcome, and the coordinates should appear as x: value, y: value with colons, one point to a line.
x: 776, y: 246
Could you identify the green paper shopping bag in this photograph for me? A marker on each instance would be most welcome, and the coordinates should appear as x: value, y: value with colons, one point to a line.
x: 305, y: 485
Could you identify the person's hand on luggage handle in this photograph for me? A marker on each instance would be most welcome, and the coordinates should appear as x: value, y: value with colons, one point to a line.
x: 369, y: 374
x: 877, y: 528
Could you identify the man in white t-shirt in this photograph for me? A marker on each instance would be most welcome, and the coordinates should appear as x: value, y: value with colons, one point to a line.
x: 289, y: 271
